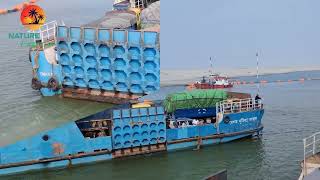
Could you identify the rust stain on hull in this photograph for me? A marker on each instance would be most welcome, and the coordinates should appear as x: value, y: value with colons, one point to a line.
x: 100, y: 95
x: 139, y: 150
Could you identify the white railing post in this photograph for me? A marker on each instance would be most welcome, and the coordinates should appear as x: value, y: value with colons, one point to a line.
x: 314, y: 144
x: 304, y: 168
x: 259, y: 103
x: 54, y: 31
x: 45, y: 34
x: 48, y: 32
x: 41, y: 34
x: 217, y: 110
x: 241, y: 105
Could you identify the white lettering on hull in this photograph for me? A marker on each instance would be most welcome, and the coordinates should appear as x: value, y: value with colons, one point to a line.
x: 243, y: 120
x: 47, y: 74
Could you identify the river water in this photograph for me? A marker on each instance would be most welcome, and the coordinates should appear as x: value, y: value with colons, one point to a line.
x: 291, y: 113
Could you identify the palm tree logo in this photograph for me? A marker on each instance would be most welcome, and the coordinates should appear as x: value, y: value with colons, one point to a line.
x: 33, y: 17
x: 33, y: 13
x: 41, y: 17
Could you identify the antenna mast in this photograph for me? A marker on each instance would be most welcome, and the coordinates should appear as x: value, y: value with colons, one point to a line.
x: 258, y: 84
x: 211, y: 66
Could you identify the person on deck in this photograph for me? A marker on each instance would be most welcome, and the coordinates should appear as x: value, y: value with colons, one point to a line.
x: 203, y: 80
x: 257, y: 97
x: 257, y: 100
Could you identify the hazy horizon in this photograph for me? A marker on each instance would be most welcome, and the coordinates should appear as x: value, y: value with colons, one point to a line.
x: 284, y: 33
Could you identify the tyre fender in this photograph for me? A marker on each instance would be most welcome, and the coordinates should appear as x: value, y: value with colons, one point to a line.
x: 53, y: 83
x: 36, y: 84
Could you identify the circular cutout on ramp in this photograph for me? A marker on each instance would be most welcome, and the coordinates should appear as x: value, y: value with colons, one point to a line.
x: 119, y: 63
x: 136, y: 88
x: 151, y: 77
x: 66, y: 69
x: 92, y: 72
x: 79, y: 70
x: 121, y: 76
x: 104, y: 50
x: 106, y: 74
x: 91, y: 61
x: 135, y: 64
x: 64, y: 59
x: 77, y: 59
x: 105, y: 62
x: 107, y: 85
x: 134, y: 52
x: 135, y: 77
x: 63, y: 46
x: 76, y: 47
x: 90, y: 48
x: 119, y: 50
x: 150, y: 66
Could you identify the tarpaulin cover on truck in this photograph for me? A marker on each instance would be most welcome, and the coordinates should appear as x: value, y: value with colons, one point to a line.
x: 194, y: 99
x: 150, y: 16
x: 115, y: 20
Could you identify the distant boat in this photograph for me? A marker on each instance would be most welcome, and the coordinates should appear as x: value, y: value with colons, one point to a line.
x: 214, y: 81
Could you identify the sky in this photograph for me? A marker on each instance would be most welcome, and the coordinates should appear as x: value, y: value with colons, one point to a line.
x: 284, y: 33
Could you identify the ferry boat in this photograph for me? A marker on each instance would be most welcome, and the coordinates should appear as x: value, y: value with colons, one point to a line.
x: 310, y: 166
x: 214, y: 81
x: 114, y: 59
x: 182, y: 120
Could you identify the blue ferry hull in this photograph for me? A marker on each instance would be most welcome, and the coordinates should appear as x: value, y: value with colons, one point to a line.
x: 213, y: 140
x: 45, y: 71
x: 67, y: 145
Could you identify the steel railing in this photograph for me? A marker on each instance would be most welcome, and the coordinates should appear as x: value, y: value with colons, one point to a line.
x: 47, y: 33
x: 238, y: 105
x: 311, y: 146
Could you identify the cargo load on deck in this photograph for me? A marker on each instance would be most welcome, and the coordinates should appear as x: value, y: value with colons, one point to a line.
x: 200, y: 99
x: 116, y: 20
x: 150, y: 16
x: 194, y: 99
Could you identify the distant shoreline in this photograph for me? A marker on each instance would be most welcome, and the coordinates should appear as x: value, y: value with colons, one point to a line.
x: 183, y: 77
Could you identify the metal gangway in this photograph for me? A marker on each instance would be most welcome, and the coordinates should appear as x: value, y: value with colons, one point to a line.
x: 47, y: 34
x: 238, y: 105
x: 311, y: 154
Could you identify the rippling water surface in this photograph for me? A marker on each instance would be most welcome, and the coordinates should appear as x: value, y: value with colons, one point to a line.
x: 292, y: 112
